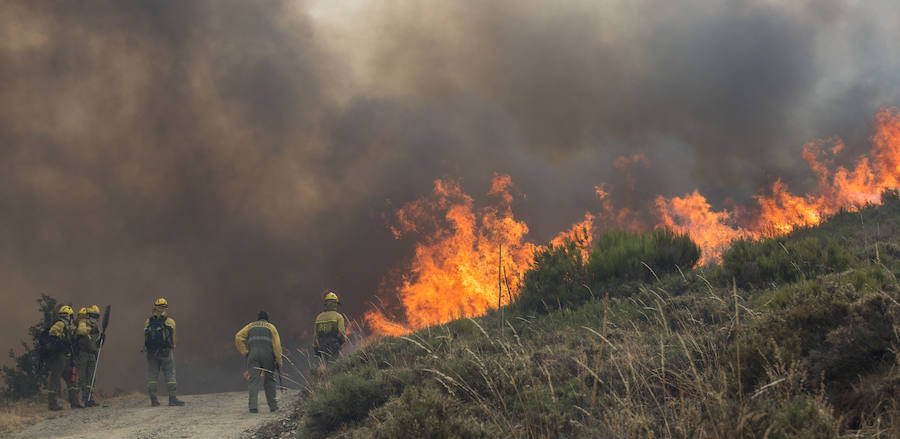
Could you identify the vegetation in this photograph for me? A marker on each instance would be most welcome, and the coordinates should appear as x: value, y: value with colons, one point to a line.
x: 26, y: 378
x: 794, y: 337
x: 561, y: 277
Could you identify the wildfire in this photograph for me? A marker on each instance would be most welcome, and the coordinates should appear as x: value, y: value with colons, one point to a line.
x: 780, y: 211
x: 454, y: 271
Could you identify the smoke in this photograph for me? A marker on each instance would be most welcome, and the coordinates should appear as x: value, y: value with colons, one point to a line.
x: 236, y: 156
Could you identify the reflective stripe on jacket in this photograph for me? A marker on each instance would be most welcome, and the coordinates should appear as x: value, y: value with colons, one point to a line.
x: 259, y: 335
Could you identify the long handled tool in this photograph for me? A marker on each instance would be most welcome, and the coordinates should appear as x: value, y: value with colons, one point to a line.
x: 280, y: 381
x: 99, y: 350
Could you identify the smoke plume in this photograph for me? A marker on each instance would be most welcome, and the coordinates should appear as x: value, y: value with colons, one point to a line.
x: 235, y: 156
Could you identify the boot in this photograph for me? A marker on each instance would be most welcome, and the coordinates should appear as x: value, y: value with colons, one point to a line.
x: 90, y: 403
x: 153, y: 401
x: 73, y: 401
x: 52, y: 404
x: 173, y: 400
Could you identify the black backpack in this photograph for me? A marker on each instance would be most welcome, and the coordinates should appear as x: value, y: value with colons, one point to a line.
x: 157, y: 336
x: 48, y: 345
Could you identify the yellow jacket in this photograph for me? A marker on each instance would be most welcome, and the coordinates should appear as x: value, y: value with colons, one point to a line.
x: 61, y: 329
x: 330, y: 322
x: 259, y: 329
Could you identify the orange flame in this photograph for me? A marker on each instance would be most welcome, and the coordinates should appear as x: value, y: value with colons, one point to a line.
x: 454, y: 271
x: 780, y: 211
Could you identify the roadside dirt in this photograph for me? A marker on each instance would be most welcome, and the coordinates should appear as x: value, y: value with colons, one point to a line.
x: 215, y: 415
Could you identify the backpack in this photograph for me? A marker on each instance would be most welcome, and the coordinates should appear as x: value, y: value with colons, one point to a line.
x: 48, y: 345
x: 157, y: 336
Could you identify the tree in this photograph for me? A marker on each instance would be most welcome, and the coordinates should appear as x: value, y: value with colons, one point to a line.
x: 26, y: 378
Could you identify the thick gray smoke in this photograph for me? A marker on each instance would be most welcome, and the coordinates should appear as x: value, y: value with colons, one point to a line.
x: 234, y: 156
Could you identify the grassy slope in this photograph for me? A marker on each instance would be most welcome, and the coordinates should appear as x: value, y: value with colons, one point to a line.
x: 686, y: 356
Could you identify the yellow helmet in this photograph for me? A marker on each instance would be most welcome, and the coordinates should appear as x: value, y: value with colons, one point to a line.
x: 160, y: 302
x: 82, y: 312
x: 330, y: 296
x: 65, y: 310
x: 94, y: 311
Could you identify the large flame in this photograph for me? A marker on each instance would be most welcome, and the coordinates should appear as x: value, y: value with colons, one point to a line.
x: 454, y: 272
x: 780, y: 211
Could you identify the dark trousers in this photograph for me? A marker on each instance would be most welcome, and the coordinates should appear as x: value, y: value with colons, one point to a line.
x: 261, y: 367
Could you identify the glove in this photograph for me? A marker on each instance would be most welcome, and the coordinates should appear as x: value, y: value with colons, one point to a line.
x: 317, y: 351
x: 102, y: 338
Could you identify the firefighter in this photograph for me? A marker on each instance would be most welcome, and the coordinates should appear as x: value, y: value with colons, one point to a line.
x: 88, y: 339
x: 159, y: 343
x: 260, y: 344
x: 60, y: 359
x: 329, y: 330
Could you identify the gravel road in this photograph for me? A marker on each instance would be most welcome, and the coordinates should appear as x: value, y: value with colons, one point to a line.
x: 215, y: 415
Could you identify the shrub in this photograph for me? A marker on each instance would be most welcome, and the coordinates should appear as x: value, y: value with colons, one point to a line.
x: 425, y: 412
x: 26, y: 378
x: 559, y: 276
x: 755, y: 264
x: 348, y: 399
x: 829, y: 331
x: 621, y: 256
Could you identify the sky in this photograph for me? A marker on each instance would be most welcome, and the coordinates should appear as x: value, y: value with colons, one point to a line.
x: 235, y: 156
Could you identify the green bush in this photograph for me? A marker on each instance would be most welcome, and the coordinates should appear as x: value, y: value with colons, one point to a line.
x: 348, y: 399
x: 625, y: 256
x: 827, y: 330
x: 801, y: 417
x: 560, y: 277
x: 426, y: 413
x: 556, y: 278
x: 755, y: 264
x: 26, y: 378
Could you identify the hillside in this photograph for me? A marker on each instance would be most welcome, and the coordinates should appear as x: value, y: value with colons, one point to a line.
x: 789, y: 337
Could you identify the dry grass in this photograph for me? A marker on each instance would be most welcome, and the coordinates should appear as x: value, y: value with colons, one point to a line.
x: 21, y: 414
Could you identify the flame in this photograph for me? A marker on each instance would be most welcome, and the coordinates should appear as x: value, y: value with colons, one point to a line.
x: 454, y: 271
x: 779, y: 210
x: 693, y: 215
x: 579, y: 232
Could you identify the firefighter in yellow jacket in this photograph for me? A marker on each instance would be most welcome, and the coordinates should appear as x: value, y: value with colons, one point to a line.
x: 260, y: 343
x: 60, y: 360
x: 88, y: 339
x: 159, y: 342
x: 329, y: 330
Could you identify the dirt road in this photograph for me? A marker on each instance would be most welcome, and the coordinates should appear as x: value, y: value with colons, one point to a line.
x: 215, y: 415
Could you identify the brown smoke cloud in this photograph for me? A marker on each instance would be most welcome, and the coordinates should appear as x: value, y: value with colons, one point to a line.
x: 236, y: 156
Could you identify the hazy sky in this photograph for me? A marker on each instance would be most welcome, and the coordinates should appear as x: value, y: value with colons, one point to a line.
x: 236, y: 156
